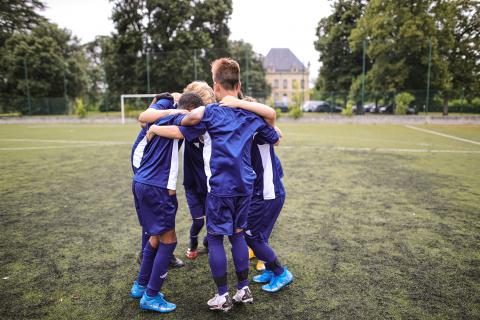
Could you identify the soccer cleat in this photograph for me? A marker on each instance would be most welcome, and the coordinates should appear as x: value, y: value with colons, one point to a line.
x: 265, y: 277
x: 191, y: 254
x: 176, y: 263
x: 243, y: 295
x: 279, y: 282
x: 251, y: 255
x: 260, y: 265
x: 221, y: 302
x: 157, y: 303
x: 138, y: 290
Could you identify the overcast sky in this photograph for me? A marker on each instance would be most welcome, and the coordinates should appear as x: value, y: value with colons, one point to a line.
x: 263, y: 23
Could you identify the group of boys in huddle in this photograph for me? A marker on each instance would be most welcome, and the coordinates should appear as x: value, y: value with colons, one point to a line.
x: 231, y: 176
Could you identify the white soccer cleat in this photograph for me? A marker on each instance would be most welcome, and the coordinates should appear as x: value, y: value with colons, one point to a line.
x: 243, y: 295
x: 223, y: 302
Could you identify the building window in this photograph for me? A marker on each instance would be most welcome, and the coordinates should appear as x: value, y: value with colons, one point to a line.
x: 275, y: 83
x: 302, y: 84
x: 294, y: 84
x: 285, y: 83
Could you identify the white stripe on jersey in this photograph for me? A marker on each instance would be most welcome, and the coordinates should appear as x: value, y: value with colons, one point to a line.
x: 138, y: 153
x: 268, y: 186
x: 172, y: 177
x: 207, y: 154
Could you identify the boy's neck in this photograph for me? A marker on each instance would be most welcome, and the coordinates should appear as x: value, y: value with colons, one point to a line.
x: 223, y: 93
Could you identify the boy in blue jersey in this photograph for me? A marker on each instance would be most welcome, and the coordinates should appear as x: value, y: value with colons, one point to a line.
x: 267, y: 202
x: 227, y: 135
x: 160, y: 105
x: 154, y: 184
x: 196, y: 94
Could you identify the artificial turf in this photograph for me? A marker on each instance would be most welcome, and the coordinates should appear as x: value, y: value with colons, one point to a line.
x: 376, y: 225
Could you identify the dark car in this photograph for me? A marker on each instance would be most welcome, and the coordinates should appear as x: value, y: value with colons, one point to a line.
x: 412, y: 110
x: 282, y: 106
x: 387, y: 109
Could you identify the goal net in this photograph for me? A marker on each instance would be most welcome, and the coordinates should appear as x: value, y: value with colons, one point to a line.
x: 134, y: 101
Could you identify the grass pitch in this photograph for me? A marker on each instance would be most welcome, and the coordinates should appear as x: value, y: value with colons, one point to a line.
x: 380, y: 222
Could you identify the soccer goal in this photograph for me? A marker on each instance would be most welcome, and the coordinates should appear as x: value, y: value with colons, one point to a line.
x: 135, y: 96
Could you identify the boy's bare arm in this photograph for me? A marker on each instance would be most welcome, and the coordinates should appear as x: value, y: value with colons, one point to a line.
x: 260, y: 109
x: 171, y: 132
x: 151, y: 115
x: 194, y: 117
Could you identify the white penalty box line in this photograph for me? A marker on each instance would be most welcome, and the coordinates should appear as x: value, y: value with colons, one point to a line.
x: 443, y: 135
x: 66, y: 144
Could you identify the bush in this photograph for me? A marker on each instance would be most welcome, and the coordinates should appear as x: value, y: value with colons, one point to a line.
x: 80, y: 110
x: 296, y: 112
x: 279, y: 112
x: 402, y: 101
x: 348, y: 109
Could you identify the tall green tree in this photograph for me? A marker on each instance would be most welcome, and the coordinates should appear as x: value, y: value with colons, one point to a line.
x: 257, y: 83
x: 458, y: 36
x: 172, y: 37
x: 18, y: 16
x: 339, y: 63
x: 49, y: 53
x: 398, y: 35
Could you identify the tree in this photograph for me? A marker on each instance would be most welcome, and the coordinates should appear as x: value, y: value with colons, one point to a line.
x: 340, y: 64
x: 398, y: 34
x: 49, y: 53
x: 95, y: 71
x: 257, y: 84
x: 166, y: 35
x: 18, y: 16
x: 458, y: 35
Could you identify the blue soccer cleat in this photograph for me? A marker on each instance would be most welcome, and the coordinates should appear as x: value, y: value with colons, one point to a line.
x: 264, y: 277
x: 279, y: 282
x: 138, y: 290
x: 157, y: 303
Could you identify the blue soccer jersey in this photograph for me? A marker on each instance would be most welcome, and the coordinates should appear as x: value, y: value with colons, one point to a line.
x: 227, y: 134
x: 162, y: 104
x: 268, y: 183
x: 194, y: 177
x: 156, y: 161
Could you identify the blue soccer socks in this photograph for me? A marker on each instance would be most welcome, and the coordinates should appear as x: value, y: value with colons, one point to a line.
x: 160, y: 268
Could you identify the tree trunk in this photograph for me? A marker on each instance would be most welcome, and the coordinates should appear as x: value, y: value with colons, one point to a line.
x: 445, y: 105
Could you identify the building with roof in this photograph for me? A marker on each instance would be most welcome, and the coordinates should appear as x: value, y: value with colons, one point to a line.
x: 287, y: 75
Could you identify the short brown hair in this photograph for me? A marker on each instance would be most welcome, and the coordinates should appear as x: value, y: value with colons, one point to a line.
x: 226, y: 72
x: 202, y: 89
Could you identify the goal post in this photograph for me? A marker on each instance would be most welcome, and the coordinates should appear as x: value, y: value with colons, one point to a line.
x: 122, y: 101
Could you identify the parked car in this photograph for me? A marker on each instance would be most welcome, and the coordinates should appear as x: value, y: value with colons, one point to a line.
x: 412, y: 110
x: 369, y: 107
x: 337, y: 108
x: 386, y: 109
x: 282, y: 106
x: 310, y: 106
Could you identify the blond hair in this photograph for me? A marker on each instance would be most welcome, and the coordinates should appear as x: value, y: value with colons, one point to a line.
x: 202, y: 89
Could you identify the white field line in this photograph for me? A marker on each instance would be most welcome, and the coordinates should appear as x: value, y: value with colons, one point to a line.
x: 384, y: 150
x: 443, y: 135
x: 102, y: 144
x: 395, y: 150
x: 60, y: 141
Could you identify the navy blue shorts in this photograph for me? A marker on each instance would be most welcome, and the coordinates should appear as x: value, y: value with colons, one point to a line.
x: 196, y: 203
x: 225, y: 214
x: 156, y: 209
x: 262, y: 217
